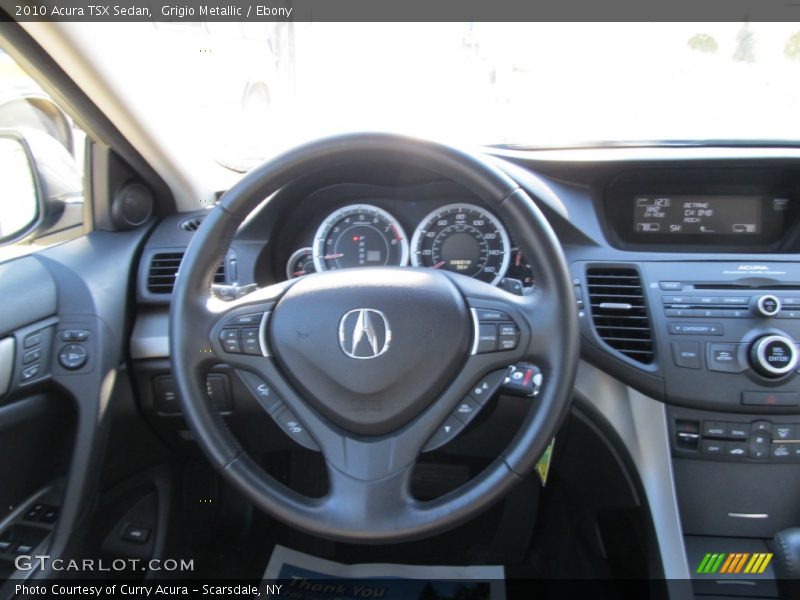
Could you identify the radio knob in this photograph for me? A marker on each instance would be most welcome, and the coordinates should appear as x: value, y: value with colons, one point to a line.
x: 768, y: 305
x: 773, y: 355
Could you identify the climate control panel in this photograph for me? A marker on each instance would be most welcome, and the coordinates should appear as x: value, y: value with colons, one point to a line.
x: 717, y: 437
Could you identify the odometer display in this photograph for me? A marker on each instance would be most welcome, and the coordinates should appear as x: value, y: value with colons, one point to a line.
x: 360, y: 235
x: 465, y: 239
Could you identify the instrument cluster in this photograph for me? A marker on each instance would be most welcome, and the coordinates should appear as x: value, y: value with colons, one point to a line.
x: 460, y: 237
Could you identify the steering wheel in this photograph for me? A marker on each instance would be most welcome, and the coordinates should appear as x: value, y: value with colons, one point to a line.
x: 373, y: 361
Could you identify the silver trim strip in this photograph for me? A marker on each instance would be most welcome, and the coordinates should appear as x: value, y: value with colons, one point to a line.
x: 476, y: 328
x: 7, y: 346
x: 641, y: 424
x: 616, y: 305
x: 262, y: 334
x: 735, y: 515
x: 150, y: 337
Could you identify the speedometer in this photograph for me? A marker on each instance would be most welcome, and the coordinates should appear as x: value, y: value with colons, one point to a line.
x: 359, y: 235
x: 465, y: 239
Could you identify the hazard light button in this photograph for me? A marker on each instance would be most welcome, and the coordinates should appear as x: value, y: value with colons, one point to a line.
x: 771, y: 398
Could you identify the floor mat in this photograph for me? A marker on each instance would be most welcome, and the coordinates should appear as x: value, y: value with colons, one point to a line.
x: 300, y: 576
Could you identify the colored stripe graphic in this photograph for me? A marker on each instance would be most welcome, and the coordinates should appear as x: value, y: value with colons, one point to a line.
x: 711, y: 562
x: 734, y: 563
x: 729, y: 562
x: 763, y: 566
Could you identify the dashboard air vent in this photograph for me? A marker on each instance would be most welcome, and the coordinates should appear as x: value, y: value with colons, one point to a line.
x: 619, y: 311
x: 163, y: 269
x: 191, y: 224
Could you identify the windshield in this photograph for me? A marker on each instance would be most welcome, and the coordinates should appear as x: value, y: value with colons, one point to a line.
x: 240, y: 92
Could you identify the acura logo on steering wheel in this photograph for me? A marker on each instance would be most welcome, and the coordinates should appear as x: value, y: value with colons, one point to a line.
x: 364, y: 333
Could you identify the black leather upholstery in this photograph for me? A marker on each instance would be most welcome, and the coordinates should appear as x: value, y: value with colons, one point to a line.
x: 787, y: 553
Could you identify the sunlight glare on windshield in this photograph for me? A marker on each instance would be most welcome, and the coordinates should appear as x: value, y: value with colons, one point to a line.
x: 249, y: 90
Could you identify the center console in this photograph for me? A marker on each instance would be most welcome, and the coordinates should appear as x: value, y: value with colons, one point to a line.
x: 719, y: 343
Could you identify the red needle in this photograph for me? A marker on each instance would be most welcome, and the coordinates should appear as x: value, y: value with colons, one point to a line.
x: 332, y: 256
x: 441, y: 263
x: 298, y: 273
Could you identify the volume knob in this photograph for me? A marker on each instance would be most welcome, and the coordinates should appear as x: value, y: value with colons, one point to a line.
x: 773, y: 355
x: 768, y: 305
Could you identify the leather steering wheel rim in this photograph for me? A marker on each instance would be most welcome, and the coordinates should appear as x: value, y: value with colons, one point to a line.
x: 376, y: 514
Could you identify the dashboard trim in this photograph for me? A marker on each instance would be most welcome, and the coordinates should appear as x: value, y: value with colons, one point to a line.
x: 641, y: 424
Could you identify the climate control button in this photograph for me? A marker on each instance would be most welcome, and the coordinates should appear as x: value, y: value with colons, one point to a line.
x: 773, y: 355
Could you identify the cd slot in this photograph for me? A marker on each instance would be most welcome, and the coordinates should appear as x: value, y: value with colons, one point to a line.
x: 743, y: 286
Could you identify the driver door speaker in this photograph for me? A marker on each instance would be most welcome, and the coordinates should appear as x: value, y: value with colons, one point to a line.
x: 131, y: 206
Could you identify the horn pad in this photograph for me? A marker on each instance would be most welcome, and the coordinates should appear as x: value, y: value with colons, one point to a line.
x: 370, y: 348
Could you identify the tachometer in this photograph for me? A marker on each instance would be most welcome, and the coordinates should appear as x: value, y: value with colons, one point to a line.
x: 359, y: 235
x: 465, y: 239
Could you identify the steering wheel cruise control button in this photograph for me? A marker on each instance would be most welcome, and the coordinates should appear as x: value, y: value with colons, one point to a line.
x: 508, y: 336
x: 496, y: 331
x: 487, y: 338
x: 488, y: 314
x: 73, y: 357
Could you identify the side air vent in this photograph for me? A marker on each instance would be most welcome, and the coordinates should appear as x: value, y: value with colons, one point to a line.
x: 619, y: 311
x: 164, y: 268
x: 191, y: 224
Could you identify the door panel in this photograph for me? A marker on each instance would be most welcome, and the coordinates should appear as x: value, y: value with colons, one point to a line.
x: 65, y: 310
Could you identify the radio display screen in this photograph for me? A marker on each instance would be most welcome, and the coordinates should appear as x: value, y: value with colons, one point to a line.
x: 700, y: 215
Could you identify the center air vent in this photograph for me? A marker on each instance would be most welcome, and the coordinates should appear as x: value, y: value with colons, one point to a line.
x: 163, y: 269
x: 619, y: 311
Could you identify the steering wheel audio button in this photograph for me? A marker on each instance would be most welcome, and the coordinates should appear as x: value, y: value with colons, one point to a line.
x: 446, y: 432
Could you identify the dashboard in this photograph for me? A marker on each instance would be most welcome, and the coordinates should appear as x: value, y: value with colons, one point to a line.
x: 684, y: 264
